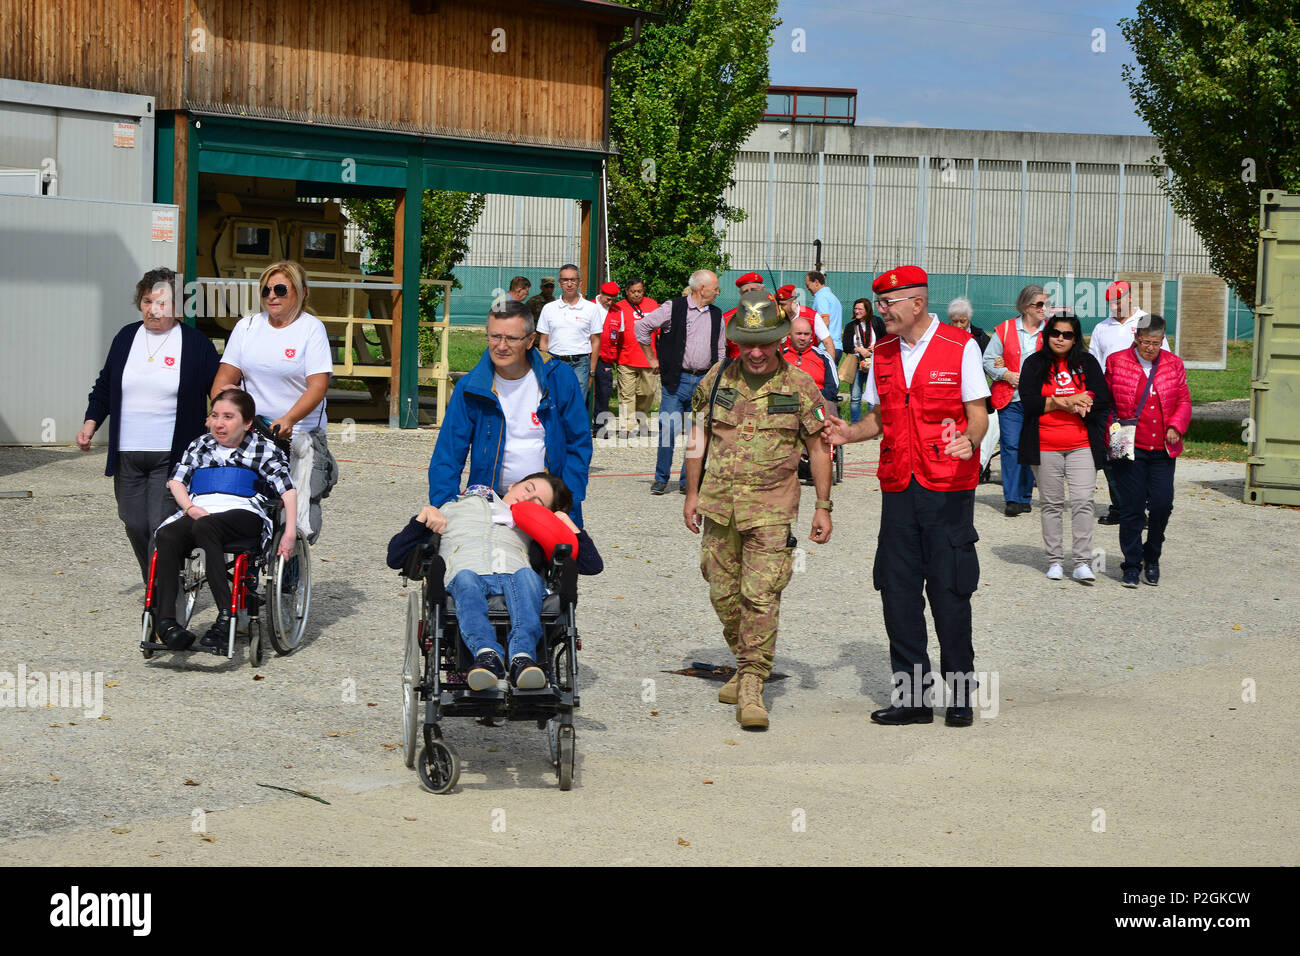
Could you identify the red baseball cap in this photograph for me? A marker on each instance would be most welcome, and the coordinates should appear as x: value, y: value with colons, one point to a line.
x: 749, y: 278
x: 610, y: 288
x: 785, y: 292
x: 1117, y: 289
x: 904, y: 277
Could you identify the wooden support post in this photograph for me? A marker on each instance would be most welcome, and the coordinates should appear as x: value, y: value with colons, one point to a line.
x: 408, y: 411
x: 399, y: 250
x: 180, y: 178
x: 587, y: 249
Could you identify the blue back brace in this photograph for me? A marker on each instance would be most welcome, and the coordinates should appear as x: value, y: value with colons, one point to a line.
x: 224, y: 479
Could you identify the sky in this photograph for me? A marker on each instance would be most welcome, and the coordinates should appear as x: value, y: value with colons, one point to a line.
x: 965, y: 64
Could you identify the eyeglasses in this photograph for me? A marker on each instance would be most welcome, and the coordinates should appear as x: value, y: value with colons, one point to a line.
x: 498, y: 339
x: 1038, y: 305
x: 887, y: 303
x: 1145, y: 343
x: 280, y: 290
x: 1061, y: 334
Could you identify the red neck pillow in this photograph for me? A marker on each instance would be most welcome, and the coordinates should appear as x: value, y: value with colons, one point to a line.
x: 543, y: 526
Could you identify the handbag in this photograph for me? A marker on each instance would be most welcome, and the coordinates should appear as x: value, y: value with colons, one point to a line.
x: 1123, y: 431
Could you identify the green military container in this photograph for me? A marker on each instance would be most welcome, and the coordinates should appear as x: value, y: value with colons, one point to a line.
x: 1273, y: 432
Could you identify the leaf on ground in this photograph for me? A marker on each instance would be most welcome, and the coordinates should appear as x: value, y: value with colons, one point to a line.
x: 731, y: 743
x: 56, y: 725
x: 708, y: 781
x: 52, y: 777
x: 258, y: 677
x: 111, y: 683
x: 106, y: 718
x: 372, y: 705
x: 409, y: 819
x: 389, y: 746
x: 342, y: 733
x: 1236, y: 627
x: 191, y: 783
x: 208, y: 838
x: 153, y: 854
x: 654, y: 713
x: 681, y: 842
x: 121, y: 829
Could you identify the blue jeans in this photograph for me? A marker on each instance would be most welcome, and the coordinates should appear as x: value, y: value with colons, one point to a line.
x: 856, y: 389
x: 1017, y: 479
x: 1146, y: 491
x: 523, y: 592
x: 673, y: 409
x: 581, y: 365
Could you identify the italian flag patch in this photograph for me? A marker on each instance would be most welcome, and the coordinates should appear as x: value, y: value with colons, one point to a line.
x: 820, y: 413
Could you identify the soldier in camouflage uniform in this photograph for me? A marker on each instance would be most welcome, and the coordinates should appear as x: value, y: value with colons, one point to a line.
x: 765, y: 414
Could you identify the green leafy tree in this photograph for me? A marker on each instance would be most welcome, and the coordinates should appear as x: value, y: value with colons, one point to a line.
x: 447, y: 220
x: 1218, y: 86
x: 681, y: 102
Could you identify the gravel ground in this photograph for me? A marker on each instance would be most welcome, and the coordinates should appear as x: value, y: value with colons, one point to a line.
x: 1107, y: 698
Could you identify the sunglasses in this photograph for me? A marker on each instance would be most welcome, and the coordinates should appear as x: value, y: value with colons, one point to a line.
x: 1061, y: 334
x: 280, y: 290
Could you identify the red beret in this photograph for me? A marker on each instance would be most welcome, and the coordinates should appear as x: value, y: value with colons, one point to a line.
x: 1116, y: 289
x: 610, y: 288
x: 748, y: 278
x: 785, y: 292
x: 904, y: 277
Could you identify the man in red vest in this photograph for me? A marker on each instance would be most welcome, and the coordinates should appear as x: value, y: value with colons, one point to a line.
x: 927, y: 387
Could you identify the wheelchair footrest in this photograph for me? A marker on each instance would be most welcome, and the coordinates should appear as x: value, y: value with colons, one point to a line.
x: 192, y: 649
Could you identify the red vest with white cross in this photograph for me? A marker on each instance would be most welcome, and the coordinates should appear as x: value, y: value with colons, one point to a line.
x: 920, y: 420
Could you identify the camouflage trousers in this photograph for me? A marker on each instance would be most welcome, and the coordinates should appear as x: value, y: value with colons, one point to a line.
x: 747, y: 571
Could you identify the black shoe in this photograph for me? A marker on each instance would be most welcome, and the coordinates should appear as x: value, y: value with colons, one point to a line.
x: 681, y: 489
x: 218, y: 634
x: 1110, y: 517
x: 1151, y: 573
x: 525, y: 674
x: 897, y: 716
x: 487, y: 670
x: 1025, y: 507
x: 175, y: 637
x: 659, y: 488
x: 1011, y: 510
x: 959, y: 717
x: 1130, y: 578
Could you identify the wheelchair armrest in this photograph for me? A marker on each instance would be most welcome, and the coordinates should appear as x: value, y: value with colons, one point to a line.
x: 562, y: 574
x: 421, y: 560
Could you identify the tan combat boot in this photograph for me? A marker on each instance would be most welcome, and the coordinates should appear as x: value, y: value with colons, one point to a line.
x: 727, y: 692
x: 749, y: 703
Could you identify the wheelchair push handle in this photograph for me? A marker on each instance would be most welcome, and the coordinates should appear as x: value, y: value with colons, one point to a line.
x: 262, y: 425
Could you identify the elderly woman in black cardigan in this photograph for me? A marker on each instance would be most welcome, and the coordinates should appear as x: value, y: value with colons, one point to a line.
x: 154, y: 388
x: 1067, y: 403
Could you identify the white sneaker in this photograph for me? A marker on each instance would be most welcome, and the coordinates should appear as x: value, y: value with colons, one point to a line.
x: 1055, y: 573
x: 1083, y: 574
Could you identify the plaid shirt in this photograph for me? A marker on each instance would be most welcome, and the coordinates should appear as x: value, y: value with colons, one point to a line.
x: 254, y: 452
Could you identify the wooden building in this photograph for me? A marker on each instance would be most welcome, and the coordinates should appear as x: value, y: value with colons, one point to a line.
x: 349, y: 97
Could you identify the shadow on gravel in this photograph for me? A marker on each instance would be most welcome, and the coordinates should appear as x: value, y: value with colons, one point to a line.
x: 871, y: 663
x: 990, y: 496
x: 1231, y: 487
x: 14, y: 461
x: 1029, y: 555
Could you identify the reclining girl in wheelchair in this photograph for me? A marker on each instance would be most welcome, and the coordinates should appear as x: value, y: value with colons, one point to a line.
x: 223, y: 484
x: 485, y: 543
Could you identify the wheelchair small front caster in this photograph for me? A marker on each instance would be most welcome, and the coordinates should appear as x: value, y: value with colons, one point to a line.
x: 439, y: 767
x: 564, y: 763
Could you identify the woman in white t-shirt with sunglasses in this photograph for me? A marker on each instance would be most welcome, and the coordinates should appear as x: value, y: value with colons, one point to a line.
x: 281, y: 356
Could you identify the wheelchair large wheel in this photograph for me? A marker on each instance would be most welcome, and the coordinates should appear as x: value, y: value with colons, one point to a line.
x: 439, y: 767
x: 289, y: 596
x: 412, y: 672
x: 192, y: 581
x: 567, y: 755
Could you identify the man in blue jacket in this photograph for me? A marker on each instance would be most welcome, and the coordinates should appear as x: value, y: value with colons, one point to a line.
x: 519, y: 411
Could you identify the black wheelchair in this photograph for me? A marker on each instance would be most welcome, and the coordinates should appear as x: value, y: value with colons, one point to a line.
x: 434, y: 671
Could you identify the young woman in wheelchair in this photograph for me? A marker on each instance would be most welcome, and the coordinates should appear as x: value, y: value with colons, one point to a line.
x: 485, y: 544
x: 225, y: 484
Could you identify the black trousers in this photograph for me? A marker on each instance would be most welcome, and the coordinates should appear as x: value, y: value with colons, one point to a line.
x: 601, y: 419
x: 210, y: 533
x: 1116, y: 492
x: 143, y: 501
x: 1145, y: 483
x: 927, y: 538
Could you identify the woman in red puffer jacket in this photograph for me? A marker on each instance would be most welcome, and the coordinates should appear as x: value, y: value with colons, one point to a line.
x: 1146, y: 483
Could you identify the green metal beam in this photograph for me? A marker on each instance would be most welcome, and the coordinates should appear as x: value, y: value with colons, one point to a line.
x: 408, y: 408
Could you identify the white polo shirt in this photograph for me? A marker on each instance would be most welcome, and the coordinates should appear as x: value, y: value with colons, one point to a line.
x: 1112, y: 335
x: 569, y: 327
x: 973, y: 384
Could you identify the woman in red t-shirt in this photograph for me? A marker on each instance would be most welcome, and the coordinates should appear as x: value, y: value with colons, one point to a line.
x: 1066, y: 402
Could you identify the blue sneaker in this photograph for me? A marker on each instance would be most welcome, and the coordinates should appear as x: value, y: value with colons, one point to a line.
x: 1130, y: 578
x: 1151, y: 574
x: 487, y: 670
x: 525, y: 674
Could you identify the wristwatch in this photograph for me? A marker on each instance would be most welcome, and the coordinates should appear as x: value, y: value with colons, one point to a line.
x: 828, y: 505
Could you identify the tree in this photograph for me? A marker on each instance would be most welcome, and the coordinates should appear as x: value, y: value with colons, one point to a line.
x: 682, y: 101
x: 446, y: 221
x: 1218, y: 87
